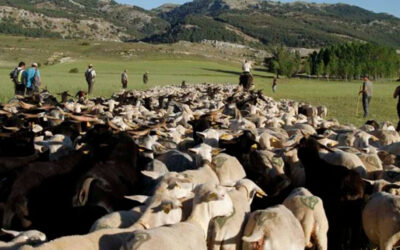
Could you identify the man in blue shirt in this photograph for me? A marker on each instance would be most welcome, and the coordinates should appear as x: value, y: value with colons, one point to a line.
x: 32, y: 79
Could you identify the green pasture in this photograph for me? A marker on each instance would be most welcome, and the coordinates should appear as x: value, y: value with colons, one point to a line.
x: 340, y: 97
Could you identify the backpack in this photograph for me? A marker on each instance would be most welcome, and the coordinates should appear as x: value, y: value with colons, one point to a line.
x: 36, y: 79
x: 88, y: 75
x: 14, y: 75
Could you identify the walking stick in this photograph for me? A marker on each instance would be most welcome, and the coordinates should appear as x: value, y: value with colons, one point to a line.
x: 358, y: 102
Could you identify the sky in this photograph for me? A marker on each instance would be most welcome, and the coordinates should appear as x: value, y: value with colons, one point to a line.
x: 387, y: 6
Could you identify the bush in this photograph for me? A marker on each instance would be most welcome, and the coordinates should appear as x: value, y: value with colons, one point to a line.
x: 74, y: 71
x: 85, y: 43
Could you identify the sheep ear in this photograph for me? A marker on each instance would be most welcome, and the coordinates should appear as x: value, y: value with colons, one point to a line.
x: 217, y: 151
x: 212, y: 197
x: 145, y: 150
x: 374, y: 138
x: 259, y: 192
x: 152, y: 174
x: 10, y: 232
x: 167, y: 207
x: 194, y: 150
x: 368, y: 181
x: 139, y: 198
x: 84, y: 192
x: 225, y: 137
x: 201, y: 134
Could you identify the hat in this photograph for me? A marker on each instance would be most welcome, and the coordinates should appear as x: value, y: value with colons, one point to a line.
x: 34, y: 65
x: 90, y: 65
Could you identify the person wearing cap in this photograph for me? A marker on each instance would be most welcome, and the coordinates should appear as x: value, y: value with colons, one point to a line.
x: 32, y: 80
x: 90, y: 75
x: 367, y: 92
x: 124, y: 79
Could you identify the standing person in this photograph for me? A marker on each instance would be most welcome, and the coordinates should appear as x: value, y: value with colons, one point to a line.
x: 32, y: 80
x: 367, y: 92
x: 396, y: 94
x: 90, y: 75
x: 274, y: 84
x: 124, y: 79
x: 16, y: 77
x: 146, y: 77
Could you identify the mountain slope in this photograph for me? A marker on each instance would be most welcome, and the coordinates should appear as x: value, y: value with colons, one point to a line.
x: 296, y: 24
x: 249, y: 22
x: 88, y: 19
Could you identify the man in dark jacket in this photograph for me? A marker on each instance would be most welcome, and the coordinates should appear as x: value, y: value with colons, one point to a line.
x: 17, y: 78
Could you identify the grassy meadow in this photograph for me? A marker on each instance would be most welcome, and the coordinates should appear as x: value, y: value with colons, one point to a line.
x: 169, y: 68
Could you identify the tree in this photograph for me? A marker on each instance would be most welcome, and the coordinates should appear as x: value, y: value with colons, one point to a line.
x: 307, y: 68
x: 283, y: 62
x: 352, y: 60
x: 320, y: 69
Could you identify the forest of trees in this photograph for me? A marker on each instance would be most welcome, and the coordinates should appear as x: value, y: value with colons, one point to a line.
x: 352, y: 60
x: 345, y: 61
x: 283, y: 62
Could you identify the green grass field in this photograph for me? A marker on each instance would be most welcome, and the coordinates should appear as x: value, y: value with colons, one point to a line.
x: 339, y: 97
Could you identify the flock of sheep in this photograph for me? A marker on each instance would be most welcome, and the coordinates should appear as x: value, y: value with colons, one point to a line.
x: 194, y: 167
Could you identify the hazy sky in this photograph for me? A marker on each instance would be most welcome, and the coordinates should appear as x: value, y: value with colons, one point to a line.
x: 388, y: 6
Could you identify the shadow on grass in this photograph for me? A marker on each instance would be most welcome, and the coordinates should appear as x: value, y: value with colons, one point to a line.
x: 231, y: 72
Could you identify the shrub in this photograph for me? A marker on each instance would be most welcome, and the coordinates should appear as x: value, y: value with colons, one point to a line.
x: 74, y: 71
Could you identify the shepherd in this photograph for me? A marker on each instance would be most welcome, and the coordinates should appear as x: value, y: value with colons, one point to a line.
x: 124, y: 79
x: 90, y: 75
x: 246, y: 79
x: 367, y: 92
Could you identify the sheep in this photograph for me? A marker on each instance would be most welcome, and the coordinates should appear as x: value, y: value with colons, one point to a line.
x: 210, y: 202
x: 58, y: 146
x: 349, y: 160
x: 380, y: 220
x: 383, y: 186
x: 273, y: 228
x: 228, y: 169
x: 371, y: 162
x: 226, y: 232
x: 267, y: 169
x: 386, y: 137
x: 393, y: 148
x: 341, y: 190
x: 31, y: 237
x: 171, y: 185
x: 163, y: 208
x: 309, y: 210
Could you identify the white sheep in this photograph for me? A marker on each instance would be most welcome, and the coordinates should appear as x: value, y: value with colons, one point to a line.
x: 309, y: 210
x: 210, y: 202
x: 226, y: 232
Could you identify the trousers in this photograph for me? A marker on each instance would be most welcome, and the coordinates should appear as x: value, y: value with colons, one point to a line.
x: 366, y: 99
